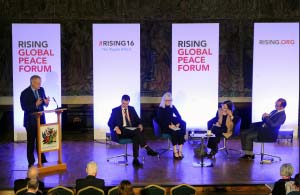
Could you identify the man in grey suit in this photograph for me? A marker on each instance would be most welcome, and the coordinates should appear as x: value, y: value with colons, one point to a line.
x: 270, y: 125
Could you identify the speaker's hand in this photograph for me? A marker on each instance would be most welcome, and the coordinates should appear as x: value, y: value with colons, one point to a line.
x: 38, y: 102
x: 47, y: 100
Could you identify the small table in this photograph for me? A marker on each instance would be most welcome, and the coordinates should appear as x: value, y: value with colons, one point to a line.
x: 202, y: 146
x: 193, y: 135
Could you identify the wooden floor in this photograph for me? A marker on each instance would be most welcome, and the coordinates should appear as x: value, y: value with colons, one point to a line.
x: 227, y: 170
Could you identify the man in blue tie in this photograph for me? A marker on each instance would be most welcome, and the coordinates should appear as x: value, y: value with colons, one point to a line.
x: 121, y: 119
x: 270, y: 123
x: 33, y: 99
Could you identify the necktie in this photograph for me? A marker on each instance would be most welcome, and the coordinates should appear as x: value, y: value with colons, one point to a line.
x: 273, y: 114
x: 128, y: 123
x: 36, y: 95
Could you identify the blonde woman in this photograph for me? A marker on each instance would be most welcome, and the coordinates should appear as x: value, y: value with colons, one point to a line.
x: 170, y: 122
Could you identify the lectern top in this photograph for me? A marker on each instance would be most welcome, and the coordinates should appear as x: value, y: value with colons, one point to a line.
x: 50, y: 111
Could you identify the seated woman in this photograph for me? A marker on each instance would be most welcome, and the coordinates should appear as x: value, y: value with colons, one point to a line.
x: 170, y: 122
x: 223, y: 127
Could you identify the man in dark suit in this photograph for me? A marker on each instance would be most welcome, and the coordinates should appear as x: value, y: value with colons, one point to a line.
x: 32, y: 173
x: 33, y: 99
x: 125, y: 116
x: 90, y: 180
x: 270, y: 124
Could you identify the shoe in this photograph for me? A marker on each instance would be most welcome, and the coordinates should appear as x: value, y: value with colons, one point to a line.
x: 151, y: 152
x: 180, y: 155
x: 248, y: 157
x: 136, y: 163
x: 175, y: 155
x: 212, y: 154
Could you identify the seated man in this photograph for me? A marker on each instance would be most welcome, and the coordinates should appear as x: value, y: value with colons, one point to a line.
x: 270, y: 123
x: 32, y: 187
x: 125, y: 116
x: 32, y: 173
x: 90, y: 180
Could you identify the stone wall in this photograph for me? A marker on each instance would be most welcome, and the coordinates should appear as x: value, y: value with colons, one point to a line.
x: 236, y: 18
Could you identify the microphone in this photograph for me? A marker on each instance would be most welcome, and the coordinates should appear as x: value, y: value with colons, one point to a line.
x: 55, y: 103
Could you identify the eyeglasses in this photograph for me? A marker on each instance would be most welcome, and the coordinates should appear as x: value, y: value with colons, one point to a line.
x: 168, y: 100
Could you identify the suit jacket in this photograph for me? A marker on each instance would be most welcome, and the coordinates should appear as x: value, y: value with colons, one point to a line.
x: 270, y: 130
x: 166, y: 116
x: 116, y: 117
x: 21, y: 183
x: 28, y: 100
x: 89, y: 181
x: 279, y: 186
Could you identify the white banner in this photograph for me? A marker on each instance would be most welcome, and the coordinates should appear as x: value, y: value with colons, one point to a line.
x: 36, y: 51
x: 195, y: 72
x: 276, y: 70
x: 116, y: 59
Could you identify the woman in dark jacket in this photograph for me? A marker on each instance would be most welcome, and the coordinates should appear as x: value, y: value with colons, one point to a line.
x: 170, y: 122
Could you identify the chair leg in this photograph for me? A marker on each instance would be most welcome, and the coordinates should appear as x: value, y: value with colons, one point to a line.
x: 164, y: 150
x: 224, y: 147
x: 125, y: 155
x: 262, y: 154
x: 108, y: 138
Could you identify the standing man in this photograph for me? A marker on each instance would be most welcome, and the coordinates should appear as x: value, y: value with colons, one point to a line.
x: 125, y: 116
x: 33, y: 99
x: 270, y: 124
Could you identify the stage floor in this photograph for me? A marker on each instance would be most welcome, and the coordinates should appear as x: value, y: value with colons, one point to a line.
x: 227, y: 170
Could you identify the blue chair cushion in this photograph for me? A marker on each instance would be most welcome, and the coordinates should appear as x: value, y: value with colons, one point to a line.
x: 165, y: 136
x: 124, y: 141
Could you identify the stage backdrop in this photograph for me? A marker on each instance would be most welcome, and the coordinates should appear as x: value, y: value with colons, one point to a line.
x: 195, y: 68
x: 276, y: 70
x: 36, y: 50
x: 116, y: 68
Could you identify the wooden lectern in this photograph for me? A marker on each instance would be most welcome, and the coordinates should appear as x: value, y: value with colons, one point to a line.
x: 49, y: 139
